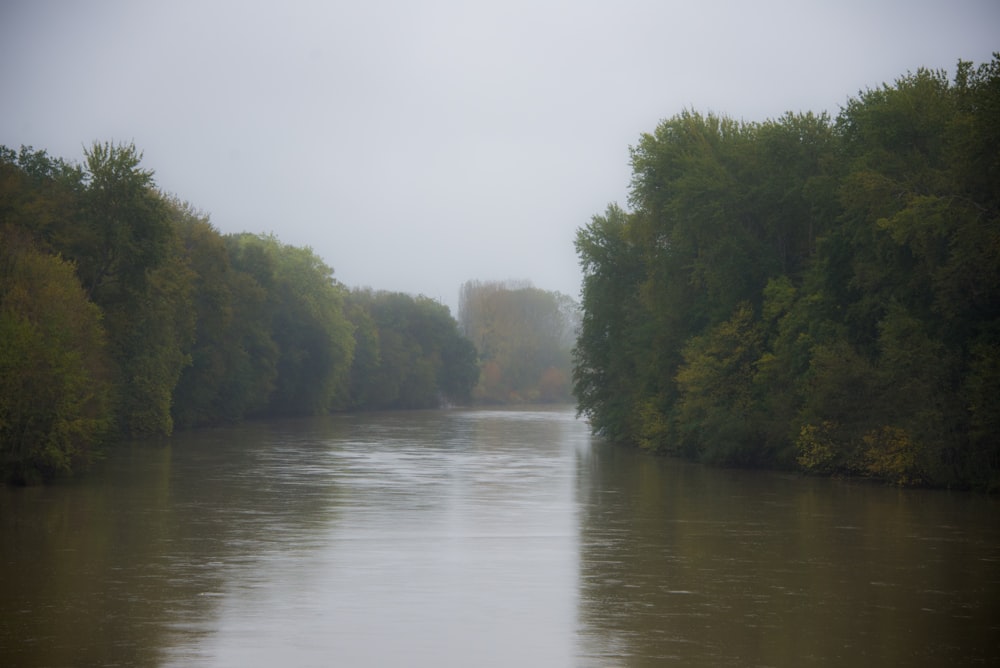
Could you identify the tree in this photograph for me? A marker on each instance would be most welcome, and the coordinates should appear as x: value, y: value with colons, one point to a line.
x: 304, y: 308
x: 126, y: 231
x: 922, y: 234
x: 109, y: 220
x: 525, y: 334
x: 805, y: 287
x: 54, y: 370
x: 605, y: 366
x: 129, y: 261
x: 42, y: 195
x: 233, y: 358
x: 409, y: 353
x: 717, y: 408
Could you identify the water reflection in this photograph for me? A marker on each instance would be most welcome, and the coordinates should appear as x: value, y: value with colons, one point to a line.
x: 487, y: 538
x: 453, y: 544
x: 704, y: 567
x: 113, y: 568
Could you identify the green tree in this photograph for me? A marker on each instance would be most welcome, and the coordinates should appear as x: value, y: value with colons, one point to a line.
x: 869, y: 249
x: 54, y: 380
x: 130, y: 262
x: 42, y: 195
x: 792, y: 323
x: 307, y: 321
x: 606, y: 362
x: 409, y: 353
x: 717, y: 410
x: 922, y: 231
x: 233, y: 358
x: 126, y: 231
x: 979, y: 392
x: 109, y: 220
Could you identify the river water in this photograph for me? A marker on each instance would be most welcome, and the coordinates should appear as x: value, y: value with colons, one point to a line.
x: 483, y: 538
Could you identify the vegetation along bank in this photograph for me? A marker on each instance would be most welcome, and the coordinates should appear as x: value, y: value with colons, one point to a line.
x: 808, y: 292
x: 804, y: 292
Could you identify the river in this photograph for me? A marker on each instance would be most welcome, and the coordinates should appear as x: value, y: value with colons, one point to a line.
x: 483, y: 538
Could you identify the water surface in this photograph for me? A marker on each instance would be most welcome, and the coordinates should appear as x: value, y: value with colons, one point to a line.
x: 487, y: 538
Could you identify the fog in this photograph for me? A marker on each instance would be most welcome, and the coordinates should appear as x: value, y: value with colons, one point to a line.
x: 416, y: 145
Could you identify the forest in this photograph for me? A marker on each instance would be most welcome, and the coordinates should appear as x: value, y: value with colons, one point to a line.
x: 125, y: 314
x: 524, y: 337
x: 808, y: 292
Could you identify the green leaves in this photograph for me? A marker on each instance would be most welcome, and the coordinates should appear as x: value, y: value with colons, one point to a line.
x: 157, y: 320
x: 604, y: 372
x: 54, y: 381
x: 409, y: 353
x: 868, y: 247
x: 303, y: 313
x: 126, y: 231
x: 716, y: 380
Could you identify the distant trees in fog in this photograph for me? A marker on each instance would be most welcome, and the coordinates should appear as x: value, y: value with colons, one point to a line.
x: 524, y: 337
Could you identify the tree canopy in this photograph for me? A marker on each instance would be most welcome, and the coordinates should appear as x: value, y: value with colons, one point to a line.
x: 807, y: 291
x: 54, y: 367
x: 411, y: 354
x: 125, y: 313
x: 523, y: 336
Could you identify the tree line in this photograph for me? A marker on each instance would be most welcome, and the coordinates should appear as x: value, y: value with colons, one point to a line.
x: 124, y: 314
x: 808, y: 292
x: 524, y: 337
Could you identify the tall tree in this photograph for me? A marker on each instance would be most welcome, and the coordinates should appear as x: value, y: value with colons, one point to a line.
x: 126, y: 231
x: 606, y: 365
x: 128, y: 256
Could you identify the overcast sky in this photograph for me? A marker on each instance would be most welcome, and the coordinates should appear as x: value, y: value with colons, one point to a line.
x: 415, y: 145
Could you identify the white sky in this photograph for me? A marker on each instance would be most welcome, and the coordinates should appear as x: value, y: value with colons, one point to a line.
x: 416, y: 145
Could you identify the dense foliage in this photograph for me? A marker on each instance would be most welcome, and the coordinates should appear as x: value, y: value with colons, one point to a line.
x: 125, y: 313
x: 410, y: 353
x: 54, y: 385
x: 524, y: 337
x: 806, y: 291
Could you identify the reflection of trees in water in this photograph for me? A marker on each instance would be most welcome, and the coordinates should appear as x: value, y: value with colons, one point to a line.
x: 73, y: 589
x: 628, y: 563
x: 134, y: 563
x: 142, y: 561
x: 134, y: 558
x: 711, y: 567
